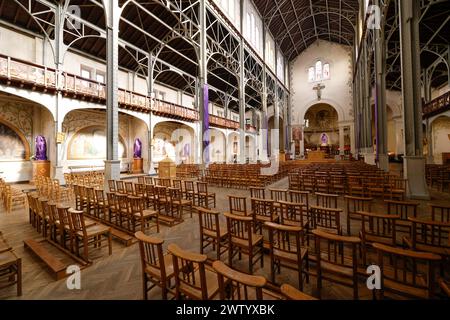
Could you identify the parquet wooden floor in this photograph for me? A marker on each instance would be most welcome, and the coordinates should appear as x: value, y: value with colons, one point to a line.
x: 119, y: 276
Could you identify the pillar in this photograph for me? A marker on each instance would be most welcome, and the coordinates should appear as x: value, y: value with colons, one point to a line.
x: 352, y: 139
x: 151, y: 94
x: 241, y: 90
x: 380, y: 97
x: 202, y: 90
x: 341, y: 140
x: 112, y: 162
x: 414, y: 161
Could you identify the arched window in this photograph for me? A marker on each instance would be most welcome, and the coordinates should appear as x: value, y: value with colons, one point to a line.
x: 311, y: 74
x: 318, y: 70
x: 326, y: 71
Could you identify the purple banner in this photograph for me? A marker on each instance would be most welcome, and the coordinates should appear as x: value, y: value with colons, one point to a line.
x: 206, y: 122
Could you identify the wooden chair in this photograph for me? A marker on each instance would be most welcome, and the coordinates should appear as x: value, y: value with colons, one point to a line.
x: 338, y: 184
x: 262, y: 211
x: 204, y: 197
x: 287, y: 249
x: 429, y: 236
x: 242, y: 237
x: 85, y: 236
x: 293, y: 214
x: 120, y: 187
x: 326, y: 200
x: 322, y: 184
x: 235, y: 285
x: 101, y: 204
x: 193, y: 278
x: 404, y: 209
x: 445, y: 287
x: 257, y: 192
x: 112, y: 186
x: 129, y: 188
x: 238, y: 205
x: 294, y: 181
x: 157, y: 267
x: 141, y: 180
x: 65, y: 227
x: 189, y: 191
x: 278, y: 194
x: 328, y: 219
x: 377, y: 228
x: 150, y: 196
x: 139, y: 191
x: 113, y: 208
x: 210, y: 231
x: 292, y: 293
x: 148, y: 180
x: 143, y: 217
x: 10, y: 269
x: 416, y: 281
x: 124, y: 213
x: 440, y: 213
x: 332, y: 265
x: 178, y: 204
x: 353, y: 205
x: 300, y: 197
x: 397, y: 189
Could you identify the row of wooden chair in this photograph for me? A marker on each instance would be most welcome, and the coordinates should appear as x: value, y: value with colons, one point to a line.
x: 11, y: 198
x: 87, y: 179
x: 52, y: 189
x: 66, y: 227
x: 194, y: 278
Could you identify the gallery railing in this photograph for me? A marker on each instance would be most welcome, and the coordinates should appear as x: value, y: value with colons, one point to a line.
x: 436, y: 106
x: 19, y: 72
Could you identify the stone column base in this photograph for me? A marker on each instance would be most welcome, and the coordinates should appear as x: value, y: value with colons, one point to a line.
x: 369, y: 158
x: 58, y: 173
x: 112, y: 171
x: 383, y: 162
x: 414, y: 172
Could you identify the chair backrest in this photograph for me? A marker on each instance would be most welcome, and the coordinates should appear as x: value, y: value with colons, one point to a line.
x: 139, y: 189
x: 240, y: 227
x: 336, y: 249
x: 419, y: 274
x: 129, y: 188
x: 429, y: 234
x: 440, y: 213
x: 328, y: 218
x: 189, y: 270
x: 278, y: 194
x: 292, y: 213
x: 189, y: 186
x: 285, y: 241
x: 404, y: 209
x: 165, y: 182
x: 238, y: 205
x: 141, y: 180
x: 161, y: 192
x: 99, y: 196
x: 150, y: 190
x: 53, y: 212
x: 152, y: 256
x: 148, y: 180
x: 202, y: 187
x: 175, y: 194
x: 209, y: 221
x: 64, y: 216
x: 120, y: 187
x: 123, y: 203
x: 256, y: 192
x: 262, y: 207
x: 378, y: 226
x: 235, y: 285
x: 77, y: 218
x: 326, y: 200
x: 112, y: 200
x: 355, y: 204
x: 136, y: 204
x: 176, y: 183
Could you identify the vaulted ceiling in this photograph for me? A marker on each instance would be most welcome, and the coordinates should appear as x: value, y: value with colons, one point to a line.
x: 296, y: 24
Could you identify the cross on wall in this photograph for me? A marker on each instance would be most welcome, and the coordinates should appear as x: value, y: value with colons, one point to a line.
x: 318, y: 88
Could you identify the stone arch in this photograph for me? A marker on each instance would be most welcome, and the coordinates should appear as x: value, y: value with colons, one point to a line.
x: 20, y: 135
x: 217, y: 146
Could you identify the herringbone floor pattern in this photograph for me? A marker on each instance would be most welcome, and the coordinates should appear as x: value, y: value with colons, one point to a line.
x: 119, y: 276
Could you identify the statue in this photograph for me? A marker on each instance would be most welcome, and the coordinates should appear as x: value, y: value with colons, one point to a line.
x: 137, y: 148
x: 40, y: 148
x: 324, y: 139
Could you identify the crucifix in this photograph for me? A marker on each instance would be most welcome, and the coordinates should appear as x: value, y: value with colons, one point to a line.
x: 319, y: 88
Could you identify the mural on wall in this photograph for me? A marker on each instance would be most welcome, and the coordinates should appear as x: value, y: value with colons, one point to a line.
x: 20, y: 115
x: 90, y: 143
x: 12, y: 147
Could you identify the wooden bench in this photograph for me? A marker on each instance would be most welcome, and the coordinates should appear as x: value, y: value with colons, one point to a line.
x: 124, y: 237
x: 56, y: 266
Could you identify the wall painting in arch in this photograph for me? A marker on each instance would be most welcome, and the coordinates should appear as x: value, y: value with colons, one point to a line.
x: 12, y: 146
x: 90, y: 143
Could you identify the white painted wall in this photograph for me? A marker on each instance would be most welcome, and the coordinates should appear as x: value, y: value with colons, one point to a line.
x: 338, y: 90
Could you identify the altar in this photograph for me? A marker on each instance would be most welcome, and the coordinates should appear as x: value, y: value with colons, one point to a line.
x: 316, y: 155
